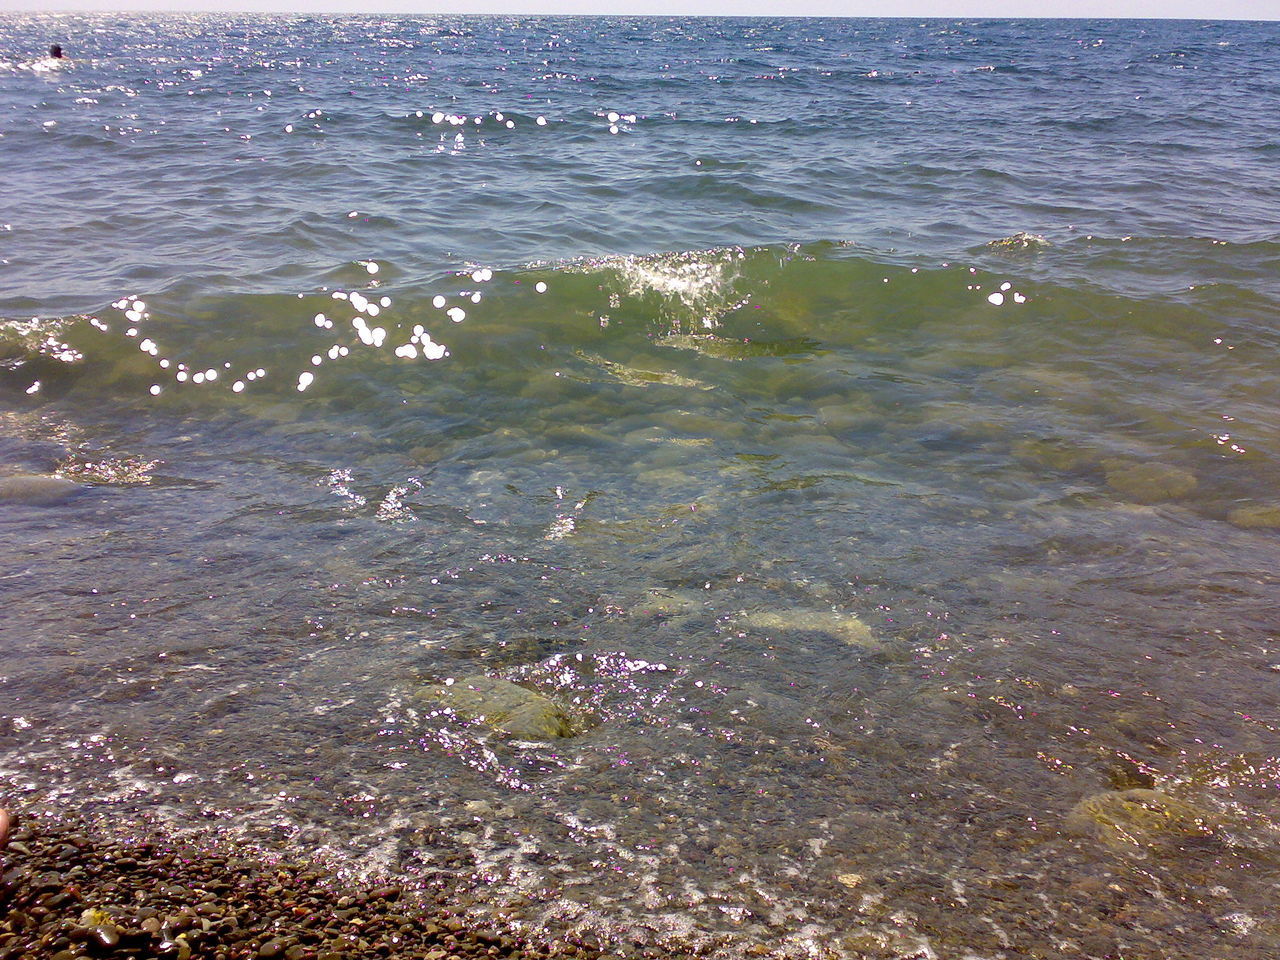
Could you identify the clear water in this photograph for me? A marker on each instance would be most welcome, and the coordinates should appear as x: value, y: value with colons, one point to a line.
x: 864, y: 549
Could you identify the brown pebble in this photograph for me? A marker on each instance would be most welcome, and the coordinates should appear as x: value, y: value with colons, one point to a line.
x: 271, y: 949
x: 105, y: 936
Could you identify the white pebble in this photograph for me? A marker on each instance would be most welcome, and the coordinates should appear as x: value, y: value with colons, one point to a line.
x: 996, y: 298
x: 540, y: 287
x: 237, y: 387
x: 305, y: 380
x: 438, y: 301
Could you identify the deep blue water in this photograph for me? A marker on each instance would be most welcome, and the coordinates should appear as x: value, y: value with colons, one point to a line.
x: 867, y: 430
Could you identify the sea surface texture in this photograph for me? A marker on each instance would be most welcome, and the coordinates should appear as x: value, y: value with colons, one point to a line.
x: 861, y: 437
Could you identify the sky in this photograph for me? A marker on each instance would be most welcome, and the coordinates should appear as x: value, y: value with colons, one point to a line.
x: 1188, y: 9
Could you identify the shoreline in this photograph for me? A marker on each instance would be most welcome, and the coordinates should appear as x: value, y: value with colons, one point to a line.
x: 67, y: 892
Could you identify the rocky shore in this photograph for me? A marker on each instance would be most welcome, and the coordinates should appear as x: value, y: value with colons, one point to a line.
x: 67, y: 892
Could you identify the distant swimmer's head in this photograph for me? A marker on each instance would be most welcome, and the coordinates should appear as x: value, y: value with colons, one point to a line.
x: 56, y: 52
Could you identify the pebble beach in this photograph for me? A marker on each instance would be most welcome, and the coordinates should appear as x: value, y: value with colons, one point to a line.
x: 67, y: 892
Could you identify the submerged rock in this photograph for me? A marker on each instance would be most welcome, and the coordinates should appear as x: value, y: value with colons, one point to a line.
x: 636, y: 377
x: 1149, y: 482
x: 1020, y: 241
x: 1140, y: 817
x: 37, y: 489
x: 844, y: 626
x: 673, y: 602
x: 126, y: 471
x: 1060, y: 455
x: 1253, y: 515
x: 503, y: 705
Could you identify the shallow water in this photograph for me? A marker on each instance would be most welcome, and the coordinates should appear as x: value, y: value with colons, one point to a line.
x: 862, y: 550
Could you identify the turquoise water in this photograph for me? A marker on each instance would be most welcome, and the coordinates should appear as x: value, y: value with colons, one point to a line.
x: 866, y: 431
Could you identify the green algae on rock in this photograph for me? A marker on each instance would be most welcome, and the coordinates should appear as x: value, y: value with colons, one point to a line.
x: 504, y: 706
x: 1149, y: 482
x: 1060, y: 455
x: 1255, y: 515
x: 1140, y: 817
x: 1020, y: 241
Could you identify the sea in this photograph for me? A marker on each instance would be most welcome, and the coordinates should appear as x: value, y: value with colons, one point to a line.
x: 865, y: 432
